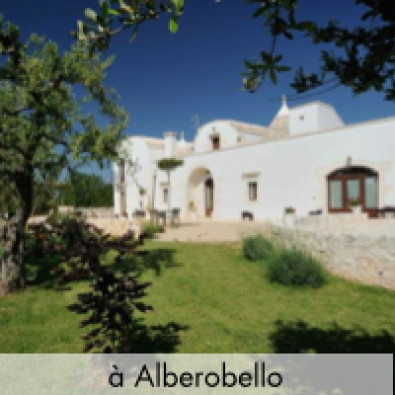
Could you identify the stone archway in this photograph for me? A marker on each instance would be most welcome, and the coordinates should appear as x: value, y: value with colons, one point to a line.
x: 201, y: 192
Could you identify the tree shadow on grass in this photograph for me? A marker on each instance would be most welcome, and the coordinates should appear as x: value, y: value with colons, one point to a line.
x: 334, y: 373
x: 143, y: 260
x: 156, y: 338
x: 299, y: 337
x: 41, y: 270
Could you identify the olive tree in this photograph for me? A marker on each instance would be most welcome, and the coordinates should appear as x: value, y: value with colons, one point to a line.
x: 44, y: 127
x: 115, y: 16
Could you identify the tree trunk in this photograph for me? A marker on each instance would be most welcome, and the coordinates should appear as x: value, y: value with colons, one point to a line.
x: 12, y: 231
x: 12, y: 269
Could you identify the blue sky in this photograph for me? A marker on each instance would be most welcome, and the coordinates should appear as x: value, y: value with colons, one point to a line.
x: 165, y: 80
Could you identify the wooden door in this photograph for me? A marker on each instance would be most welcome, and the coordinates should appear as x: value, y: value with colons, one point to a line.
x: 209, y: 196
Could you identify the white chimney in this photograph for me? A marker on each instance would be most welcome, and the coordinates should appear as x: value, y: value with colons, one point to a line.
x: 182, y: 138
x: 170, y: 144
x: 284, y: 110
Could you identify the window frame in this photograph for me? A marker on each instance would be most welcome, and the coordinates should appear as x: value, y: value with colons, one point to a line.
x: 252, y: 189
x: 165, y: 194
x: 351, y: 173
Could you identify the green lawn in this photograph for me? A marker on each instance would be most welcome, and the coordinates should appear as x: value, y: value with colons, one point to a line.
x: 209, y: 299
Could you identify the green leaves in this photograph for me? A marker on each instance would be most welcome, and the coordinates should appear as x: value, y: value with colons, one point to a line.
x: 115, y: 16
x: 173, y: 25
x: 108, y: 62
x: 169, y: 164
x: 258, y: 70
x: 42, y: 122
x: 87, y: 190
x: 178, y: 4
x: 125, y: 8
x: 177, y: 11
x: 9, y: 40
x: 90, y: 14
x: 364, y: 55
x: 105, y: 8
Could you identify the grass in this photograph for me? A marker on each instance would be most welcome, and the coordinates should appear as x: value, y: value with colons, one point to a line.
x: 212, y: 300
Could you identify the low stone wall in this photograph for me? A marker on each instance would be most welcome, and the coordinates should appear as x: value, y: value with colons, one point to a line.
x: 113, y: 226
x: 96, y: 212
x: 364, y: 258
x: 88, y: 212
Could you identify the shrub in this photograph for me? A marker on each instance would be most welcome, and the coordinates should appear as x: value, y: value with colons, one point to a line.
x: 111, y: 302
x: 294, y: 267
x: 289, y: 210
x: 57, y: 218
x: 256, y: 248
x: 150, y: 230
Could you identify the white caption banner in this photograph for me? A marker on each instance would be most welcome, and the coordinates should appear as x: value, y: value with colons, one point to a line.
x: 325, y: 374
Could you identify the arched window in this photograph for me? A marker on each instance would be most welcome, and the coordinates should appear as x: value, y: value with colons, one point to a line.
x: 353, y: 184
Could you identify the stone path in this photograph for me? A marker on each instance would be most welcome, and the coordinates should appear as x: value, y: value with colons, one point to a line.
x: 208, y: 231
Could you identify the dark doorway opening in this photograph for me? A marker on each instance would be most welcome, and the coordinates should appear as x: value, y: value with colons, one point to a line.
x: 209, y: 196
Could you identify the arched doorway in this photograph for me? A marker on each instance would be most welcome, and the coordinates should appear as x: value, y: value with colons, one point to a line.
x: 209, y: 197
x: 201, y: 193
x: 353, y: 183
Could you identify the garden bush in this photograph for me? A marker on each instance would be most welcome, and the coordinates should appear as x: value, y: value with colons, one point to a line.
x: 57, y: 218
x: 295, y: 267
x: 150, y: 230
x: 112, y: 300
x: 256, y: 248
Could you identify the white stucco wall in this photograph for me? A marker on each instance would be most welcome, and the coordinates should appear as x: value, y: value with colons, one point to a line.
x: 116, y: 192
x: 170, y: 144
x: 313, y: 117
x: 247, y: 138
x: 293, y: 171
x: 289, y: 172
x: 138, y: 176
x: 228, y: 136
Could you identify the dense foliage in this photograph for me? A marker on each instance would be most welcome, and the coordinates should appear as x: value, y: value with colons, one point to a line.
x: 112, y: 299
x: 87, y: 190
x: 256, y: 248
x: 169, y: 164
x: 361, y: 57
x: 150, y: 229
x: 295, y: 267
x: 45, y: 127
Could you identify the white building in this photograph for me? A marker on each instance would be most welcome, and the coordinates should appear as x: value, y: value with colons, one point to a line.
x: 307, y: 158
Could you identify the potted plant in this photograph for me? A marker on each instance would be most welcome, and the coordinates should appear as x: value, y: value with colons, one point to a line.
x: 355, y: 205
x: 289, y: 216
